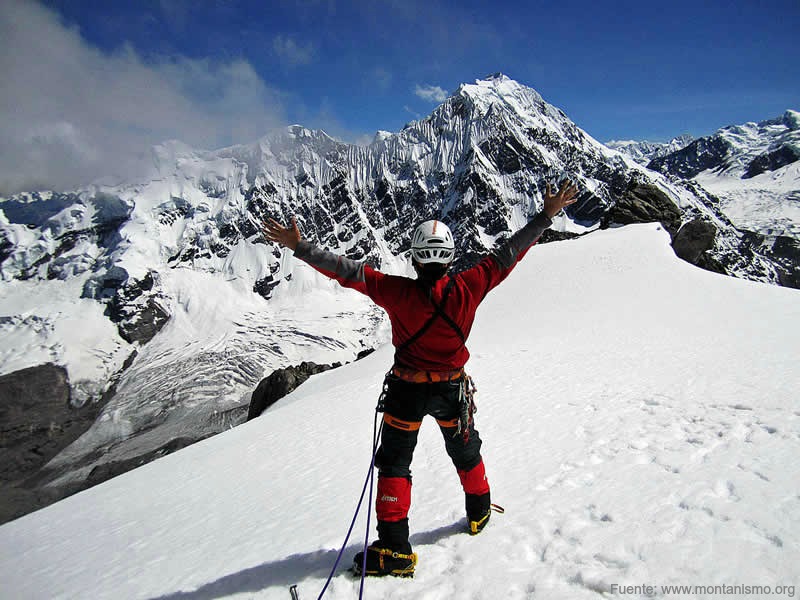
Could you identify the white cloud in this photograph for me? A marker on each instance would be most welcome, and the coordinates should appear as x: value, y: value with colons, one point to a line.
x: 291, y: 52
x: 431, y: 93
x: 70, y: 113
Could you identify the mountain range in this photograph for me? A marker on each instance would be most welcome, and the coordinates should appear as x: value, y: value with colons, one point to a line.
x: 643, y: 151
x: 155, y: 308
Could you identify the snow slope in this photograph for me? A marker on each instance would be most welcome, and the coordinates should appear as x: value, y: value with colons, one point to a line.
x: 653, y: 442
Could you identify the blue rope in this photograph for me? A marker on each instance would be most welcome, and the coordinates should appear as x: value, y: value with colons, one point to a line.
x: 375, y: 437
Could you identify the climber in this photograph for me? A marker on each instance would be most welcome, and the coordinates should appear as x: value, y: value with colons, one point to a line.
x: 431, y: 318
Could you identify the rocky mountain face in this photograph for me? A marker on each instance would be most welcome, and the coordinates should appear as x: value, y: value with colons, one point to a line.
x: 36, y: 423
x: 194, y: 309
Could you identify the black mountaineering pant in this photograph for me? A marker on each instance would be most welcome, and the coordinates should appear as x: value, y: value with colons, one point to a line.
x: 406, y: 404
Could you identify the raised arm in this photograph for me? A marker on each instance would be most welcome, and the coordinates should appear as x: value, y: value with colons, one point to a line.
x: 509, y: 253
x: 346, y: 271
x: 567, y: 194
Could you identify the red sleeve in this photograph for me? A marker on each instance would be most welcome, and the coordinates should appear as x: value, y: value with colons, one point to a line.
x: 486, y: 275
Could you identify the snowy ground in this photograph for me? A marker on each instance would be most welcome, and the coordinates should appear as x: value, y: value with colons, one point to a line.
x: 653, y: 442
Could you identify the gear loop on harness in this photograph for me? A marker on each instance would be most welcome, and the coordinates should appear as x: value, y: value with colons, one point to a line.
x: 381, y: 406
x: 466, y: 407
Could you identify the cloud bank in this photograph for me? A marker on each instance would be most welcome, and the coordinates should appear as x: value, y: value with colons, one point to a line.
x: 431, y: 93
x: 71, y: 113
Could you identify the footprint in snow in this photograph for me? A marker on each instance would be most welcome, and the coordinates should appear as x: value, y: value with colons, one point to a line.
x: 726, y: 489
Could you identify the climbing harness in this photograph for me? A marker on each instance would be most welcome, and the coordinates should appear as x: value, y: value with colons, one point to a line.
x: 417, y: 376
x: 438, y: 312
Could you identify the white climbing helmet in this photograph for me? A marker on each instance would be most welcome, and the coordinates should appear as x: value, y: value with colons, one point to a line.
x: 432, y: 243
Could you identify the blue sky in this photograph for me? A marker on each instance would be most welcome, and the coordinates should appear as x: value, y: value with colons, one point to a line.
x: 214, y: 72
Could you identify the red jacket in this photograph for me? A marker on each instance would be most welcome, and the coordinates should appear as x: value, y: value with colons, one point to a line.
x: 440, y: 348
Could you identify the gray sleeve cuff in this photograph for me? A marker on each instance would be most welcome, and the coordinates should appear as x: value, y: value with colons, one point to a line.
x: 506, y: 255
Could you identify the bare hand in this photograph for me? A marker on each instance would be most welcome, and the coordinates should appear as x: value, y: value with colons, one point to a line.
x: 566, y: 195
x: 285, y: 236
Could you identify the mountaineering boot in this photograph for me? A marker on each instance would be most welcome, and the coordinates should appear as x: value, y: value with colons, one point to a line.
x: 477, y: 497
x: 477, y: 525
x: 385, y: 561
x: 479, y: 509
x: 390, y: 554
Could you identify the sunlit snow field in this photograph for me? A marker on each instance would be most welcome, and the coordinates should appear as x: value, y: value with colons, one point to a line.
x: 641, y: 426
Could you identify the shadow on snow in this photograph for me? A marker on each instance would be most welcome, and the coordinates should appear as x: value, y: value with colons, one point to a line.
x: 295, y: 568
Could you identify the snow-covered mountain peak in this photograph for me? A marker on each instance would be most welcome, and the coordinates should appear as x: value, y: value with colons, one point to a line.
x: 301, y: 132
x: 284, y: 143
x: 498, y: 77
x: 753, y: 139
x: 503, y: 90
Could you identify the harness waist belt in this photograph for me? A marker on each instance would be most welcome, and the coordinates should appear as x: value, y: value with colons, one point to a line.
x: 417, y: 376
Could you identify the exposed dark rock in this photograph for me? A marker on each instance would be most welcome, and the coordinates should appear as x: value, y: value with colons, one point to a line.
x: 588, y: 208
x: 281, y: 382
x: 36, y: 423
x: 701, y: 155
x: 34, y: 408
x: 644, y: 204
x: 145, y: 324
x: 365, y: 352
x: 109, y: 214
x: 27, y: 491
x: 694, y: 238
x: 136, y: 310
x: 6, y: 246
x: 551, y: 235
x: 505, y: 153
x: 176, y: 208
x: 264, y: 286
x: 772, y: 161
x: 693, y: 242
x: 782, y: 251
x: 785, y: 253
x: 105, y: 285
